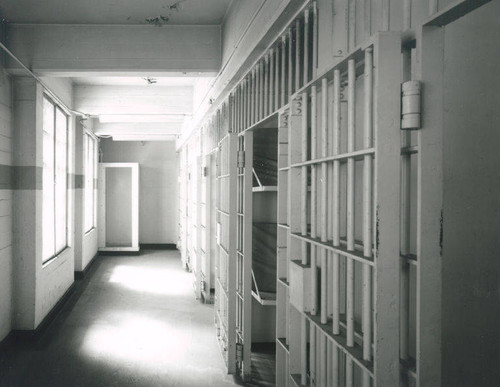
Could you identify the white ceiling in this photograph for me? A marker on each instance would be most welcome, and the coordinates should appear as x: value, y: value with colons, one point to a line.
x: 187, y: 12
x: 135, y: 81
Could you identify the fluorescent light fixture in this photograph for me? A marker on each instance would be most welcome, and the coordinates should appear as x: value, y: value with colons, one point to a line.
x: 108, y: 118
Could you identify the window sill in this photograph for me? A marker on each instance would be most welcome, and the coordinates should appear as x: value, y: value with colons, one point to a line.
x: 54, y: 258
x: 89, y: 231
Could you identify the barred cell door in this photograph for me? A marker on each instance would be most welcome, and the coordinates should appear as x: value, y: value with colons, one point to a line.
x: 343, y: 248
x: 244, y: 254
x: 225, y: 271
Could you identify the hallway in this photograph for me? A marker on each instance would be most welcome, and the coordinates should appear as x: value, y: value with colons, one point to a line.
x: 132, y: 322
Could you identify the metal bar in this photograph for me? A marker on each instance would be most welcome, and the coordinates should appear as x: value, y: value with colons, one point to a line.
x: 277, y: 80
x: 354, y: 255
x: 298, y: 41
x: 323, y: 363
x: 304, y: 130
x: 283, y: 70
x: 252, y: 97
x: 367, y: 205
x: 349, y: 155
x: 406, y: 14
x: 247, y: 258
x: 433, y: 7
x: 303, y: 350
x: 306, y: 46
x: 323, y: 207
x: 336, y: 203
x: 315, y: 40
x: 312, y: 355
x: 351, y: 103
x: 352, y: 25
x: 290, y: 63
x: 261, y: 90
x: 386, y: 123
x: 266, y: 86
x: 314, y: 141
x: 272, y: 106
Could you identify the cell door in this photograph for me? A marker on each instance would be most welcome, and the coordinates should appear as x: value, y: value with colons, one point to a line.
x: 225, y: 271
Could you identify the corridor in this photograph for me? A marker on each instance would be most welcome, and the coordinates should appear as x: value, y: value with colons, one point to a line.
x: 133, y: 321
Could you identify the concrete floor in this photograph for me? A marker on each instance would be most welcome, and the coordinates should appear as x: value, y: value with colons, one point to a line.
x: 133, y: 321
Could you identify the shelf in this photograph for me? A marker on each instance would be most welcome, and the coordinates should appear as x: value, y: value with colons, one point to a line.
x: 283, y: 282
x: 271, y: 121
x: 265, y: 188
x: 265, y: 298
x: 282, y: 341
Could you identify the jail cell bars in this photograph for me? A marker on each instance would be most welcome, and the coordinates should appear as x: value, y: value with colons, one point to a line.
x: 225, y: 287
x: 342, y: 256
x: 284, y: 68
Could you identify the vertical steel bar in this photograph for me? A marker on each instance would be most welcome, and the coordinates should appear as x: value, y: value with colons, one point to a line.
x: 314, y: 141
x: 252, y: 98
x: 304, y: 175
x: 290, y: 63
x: 352, y: 24
x: 277, y: 80
x: 261, y: 90
x: 323, y: 362
x: 272, y: 107
x: 312, y: 355
x: 283, y: 70
x: 315, y: 40
x: 336, y: 202
x: 406, y: 15
x: 306, y: 46
x: 351, y: 103
x: 433, y: 7
x: 298, y: 41
x: 303, y: 349
x: 323, y: 207
x: 367, y: 205
x: 349, y: 372
x: 266, y: 86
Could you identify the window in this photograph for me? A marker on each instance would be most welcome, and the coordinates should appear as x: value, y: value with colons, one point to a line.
x: 55, y: 169
x: 90, y: 165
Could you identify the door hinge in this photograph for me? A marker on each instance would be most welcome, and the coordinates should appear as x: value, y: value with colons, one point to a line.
x: 410, y: 105
x: 241, y: 159
x: 204, y: 171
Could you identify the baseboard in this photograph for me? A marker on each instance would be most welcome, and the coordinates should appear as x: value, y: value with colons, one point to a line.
x: 80, y: 275
x: 121, y: 253
x: 32, y: 335
x: 158, y: 246
x: 7, y: 341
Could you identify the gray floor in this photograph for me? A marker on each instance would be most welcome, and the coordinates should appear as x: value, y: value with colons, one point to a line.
x: 133, y: 322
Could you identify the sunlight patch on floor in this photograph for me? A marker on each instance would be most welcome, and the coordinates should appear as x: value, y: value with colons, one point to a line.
x: 158, y: 281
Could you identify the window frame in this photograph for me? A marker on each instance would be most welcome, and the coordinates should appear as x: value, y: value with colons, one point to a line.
x: 57, y: 251
x: 88, y: 140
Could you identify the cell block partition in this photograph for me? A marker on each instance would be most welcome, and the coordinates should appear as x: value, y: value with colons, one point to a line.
x: 225, y: 287
x: 341, y: 271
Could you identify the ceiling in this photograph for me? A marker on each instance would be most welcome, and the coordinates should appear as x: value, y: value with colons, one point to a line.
x: 133, y: 12
x: 135, y: 81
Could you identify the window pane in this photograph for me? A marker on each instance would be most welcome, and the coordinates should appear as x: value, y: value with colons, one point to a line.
x: 61, y: 179
x: 95, y: 153
x: 48, y: 249
x: 89, y: 182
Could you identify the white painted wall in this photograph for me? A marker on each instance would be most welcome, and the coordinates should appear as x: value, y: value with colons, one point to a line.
x: 37, y: 288
x: 158, y: 198
x: 5, y: 206
x: 471, y: 213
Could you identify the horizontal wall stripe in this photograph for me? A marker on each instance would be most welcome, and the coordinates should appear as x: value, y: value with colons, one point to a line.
x: 20, y: 177
x: 30, y: 177
x: 79, y: 181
